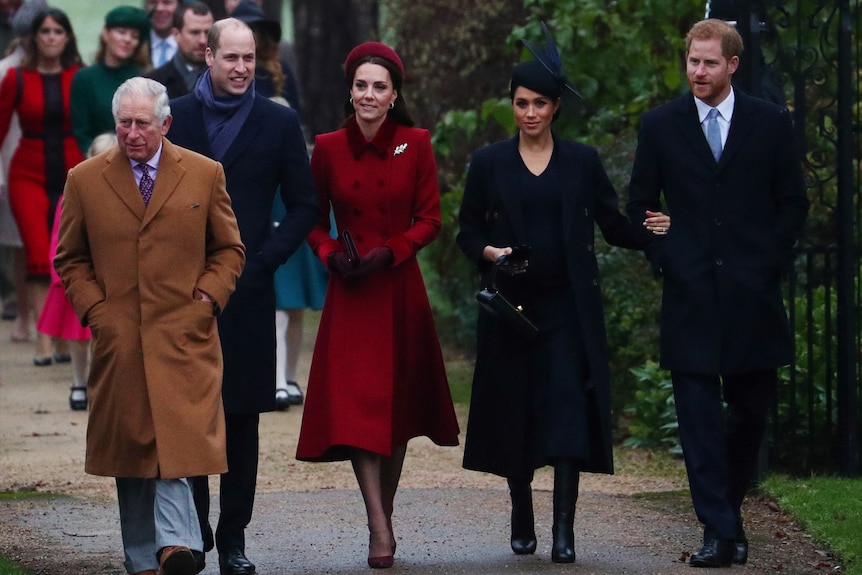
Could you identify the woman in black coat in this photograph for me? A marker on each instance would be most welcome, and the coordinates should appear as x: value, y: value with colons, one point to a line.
x: 546, y: 400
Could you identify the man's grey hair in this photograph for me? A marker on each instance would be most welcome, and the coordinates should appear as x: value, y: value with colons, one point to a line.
x: 145, y: 88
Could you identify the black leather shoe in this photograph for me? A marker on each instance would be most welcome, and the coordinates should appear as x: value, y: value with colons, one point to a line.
x: 282, y: 400
x: 523, y: 539
x: 714, y: 553
x: 62, y: 358
x: 740, y: 552
x: 78, y: 399
x: 235, y: 563
x: 42, y: 361
x: 200, y: 560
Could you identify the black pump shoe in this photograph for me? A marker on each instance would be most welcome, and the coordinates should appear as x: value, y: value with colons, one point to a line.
x: 714, y: 553
x: 78, y: 401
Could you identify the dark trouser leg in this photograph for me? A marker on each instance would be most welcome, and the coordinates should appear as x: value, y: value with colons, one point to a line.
x: 523, y: 523
x: 236, y: 498
x: 749, y: 398
x: 565, y: 498
x: 701, y: 430
x: 201, y: 492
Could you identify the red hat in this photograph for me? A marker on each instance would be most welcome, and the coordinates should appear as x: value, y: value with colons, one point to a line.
x: 373, y: 49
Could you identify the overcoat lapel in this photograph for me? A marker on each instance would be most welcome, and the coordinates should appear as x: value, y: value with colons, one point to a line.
x: 571, y: 182
x: 507, y: 179
x: 740, y: 127
x: 250, y: 130
x: 118, y: 175
x: 168, y: 178
x: 689, y: 125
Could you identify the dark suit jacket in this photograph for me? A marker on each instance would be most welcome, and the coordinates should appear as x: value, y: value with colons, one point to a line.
x: 492, y: 214
x: 169, y: 76
x: 733, y: 226
x: 268, y: 155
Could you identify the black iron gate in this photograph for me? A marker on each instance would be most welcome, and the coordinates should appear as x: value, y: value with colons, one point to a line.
x: 811, y: 49
x: 806, y: 54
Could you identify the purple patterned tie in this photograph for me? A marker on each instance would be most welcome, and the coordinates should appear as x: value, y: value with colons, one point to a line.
x: 146, y: 184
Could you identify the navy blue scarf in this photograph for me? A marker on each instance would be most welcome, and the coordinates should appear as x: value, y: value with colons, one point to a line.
x: 224, y: 117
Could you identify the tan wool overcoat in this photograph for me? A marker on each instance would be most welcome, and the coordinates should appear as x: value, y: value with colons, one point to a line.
x: 131, y: 272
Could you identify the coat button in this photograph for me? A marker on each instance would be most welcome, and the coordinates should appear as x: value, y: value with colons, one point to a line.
x: 589, y: 247
x: 356, y: 211
x: 381, y: 183
x: 586, y: 211
x: 356, y: 184
x: 716, y: 221
x: 595, y: 281
x: 719, y: 262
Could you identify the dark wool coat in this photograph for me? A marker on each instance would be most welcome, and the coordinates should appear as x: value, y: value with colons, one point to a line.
x: 492, y: 214
x: 734, y: 226
x: 377, y: 377
x: 267, y: 156
x: 131, y: 271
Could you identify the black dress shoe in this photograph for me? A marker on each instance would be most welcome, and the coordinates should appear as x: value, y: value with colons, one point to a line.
x: 78, y: 399
x: 282, y: 400
x: 714, y: 553
x: 42, y: 361
x: 200, y: 560
x: 62, y: 358
x: 235, y: 563
x: 740, y: 552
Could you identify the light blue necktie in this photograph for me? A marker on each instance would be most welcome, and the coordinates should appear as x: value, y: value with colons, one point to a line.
x: 163, y: 52
x: 713, y: 133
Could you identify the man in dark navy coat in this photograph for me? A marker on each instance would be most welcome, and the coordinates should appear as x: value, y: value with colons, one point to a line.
x: 261, y: 146
x: 733, y: 186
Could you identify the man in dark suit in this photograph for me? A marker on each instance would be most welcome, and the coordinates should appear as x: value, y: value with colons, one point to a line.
x: 263, y: 152
x: 732, y: 183
x: 192, y: 23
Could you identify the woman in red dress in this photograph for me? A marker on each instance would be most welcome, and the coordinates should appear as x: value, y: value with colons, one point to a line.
x: 39, y: 91
x: 377, y: 377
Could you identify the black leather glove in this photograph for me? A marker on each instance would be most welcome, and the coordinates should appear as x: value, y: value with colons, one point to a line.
x: 337, y: 262
x: 376, y: 259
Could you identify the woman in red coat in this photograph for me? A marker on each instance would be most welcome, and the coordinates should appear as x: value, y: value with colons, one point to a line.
x: 39, y: 91
x: 377, y: 377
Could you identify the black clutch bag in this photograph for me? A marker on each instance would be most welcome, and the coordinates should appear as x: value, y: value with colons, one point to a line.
x: 350, y: 248
x: 492, y: 300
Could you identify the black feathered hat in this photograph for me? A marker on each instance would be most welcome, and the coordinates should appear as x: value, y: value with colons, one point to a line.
x: 544, y: 74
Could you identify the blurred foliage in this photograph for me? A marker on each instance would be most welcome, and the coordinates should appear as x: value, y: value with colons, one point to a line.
x: 652, y: 412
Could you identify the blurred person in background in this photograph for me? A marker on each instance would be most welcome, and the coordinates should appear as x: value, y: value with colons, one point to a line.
x: 39, y: 90
x: 191, y: 24
x: 13, y: 258
x: 163, y: 43
x: 122, y: 54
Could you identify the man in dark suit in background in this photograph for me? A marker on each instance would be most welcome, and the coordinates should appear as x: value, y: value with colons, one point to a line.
x: 261, y: 146
x: 732, y: 183
x: 192, y: 23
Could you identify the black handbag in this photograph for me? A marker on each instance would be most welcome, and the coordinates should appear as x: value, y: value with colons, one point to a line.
x: 492, y: 300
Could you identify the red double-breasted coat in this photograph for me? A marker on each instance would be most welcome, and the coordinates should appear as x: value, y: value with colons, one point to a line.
x: 377, y: 377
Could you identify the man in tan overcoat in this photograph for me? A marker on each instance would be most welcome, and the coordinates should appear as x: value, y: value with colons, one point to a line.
x: 149, y: 252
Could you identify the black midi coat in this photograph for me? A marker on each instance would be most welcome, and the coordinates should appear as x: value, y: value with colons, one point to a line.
x: 492, y: 214
x: 267, y: 157
x: 734, y: 225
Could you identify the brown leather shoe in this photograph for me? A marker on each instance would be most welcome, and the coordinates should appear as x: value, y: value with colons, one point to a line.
x: 176, y: 560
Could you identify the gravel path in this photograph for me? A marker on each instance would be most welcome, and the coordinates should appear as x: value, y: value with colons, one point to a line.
x: 309, y: 517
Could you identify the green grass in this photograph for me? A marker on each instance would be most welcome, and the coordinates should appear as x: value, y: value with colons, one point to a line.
x: 830, y: 509
x: 9, y: 568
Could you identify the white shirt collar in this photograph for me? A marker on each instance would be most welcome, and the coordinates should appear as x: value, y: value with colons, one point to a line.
x: 725, y: 108
x: 156, y: 40
x: 152, y: 163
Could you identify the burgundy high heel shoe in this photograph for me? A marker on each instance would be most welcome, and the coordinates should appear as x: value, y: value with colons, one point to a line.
x: 382, y: 562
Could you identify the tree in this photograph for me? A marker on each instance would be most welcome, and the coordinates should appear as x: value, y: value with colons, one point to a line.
x: 325, y: 32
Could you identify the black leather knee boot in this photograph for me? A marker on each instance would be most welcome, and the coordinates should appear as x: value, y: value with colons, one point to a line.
x: 523, y: 529
x: 565, y: 497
